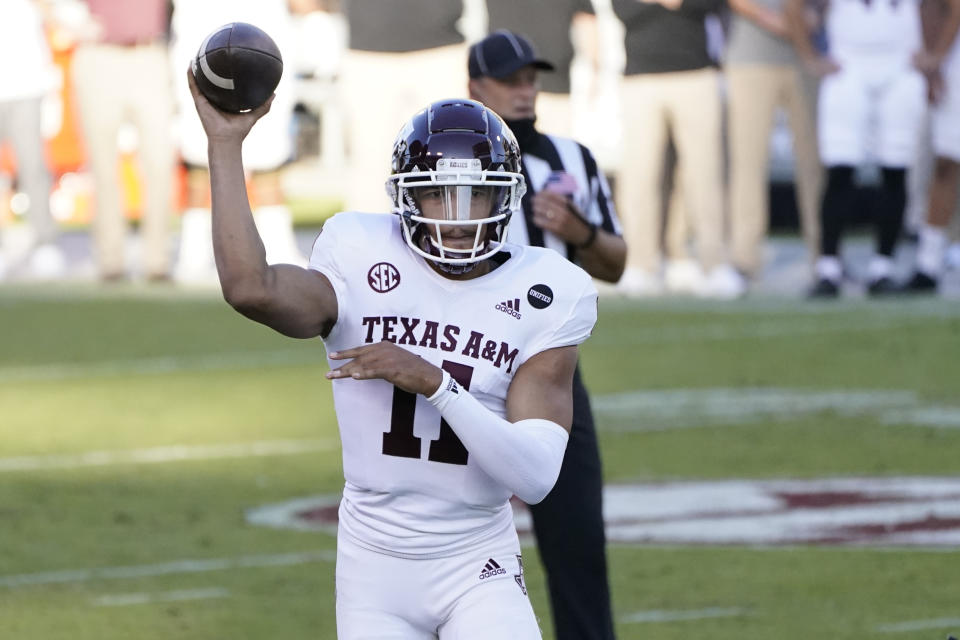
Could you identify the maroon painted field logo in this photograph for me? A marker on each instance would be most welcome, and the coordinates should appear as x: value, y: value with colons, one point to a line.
x: 383, y: 277
x: 893, y: 512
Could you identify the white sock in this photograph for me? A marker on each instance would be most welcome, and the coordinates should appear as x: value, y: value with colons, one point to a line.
x: 931, y: 250
x: 829, y: 268
x: 880, y: 267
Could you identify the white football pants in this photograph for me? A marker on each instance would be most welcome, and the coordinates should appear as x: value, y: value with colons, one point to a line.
x: 475, y: 595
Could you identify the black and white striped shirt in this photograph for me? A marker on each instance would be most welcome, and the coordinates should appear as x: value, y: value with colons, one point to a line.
x: 553, y: 153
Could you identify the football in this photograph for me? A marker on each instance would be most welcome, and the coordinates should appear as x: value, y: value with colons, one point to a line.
x: 237, y: 67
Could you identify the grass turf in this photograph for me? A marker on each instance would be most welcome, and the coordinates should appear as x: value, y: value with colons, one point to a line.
x: 129, y: 369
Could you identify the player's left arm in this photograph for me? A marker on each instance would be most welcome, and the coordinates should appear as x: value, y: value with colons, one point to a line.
x: 542, y: 388
x: 524, y: 451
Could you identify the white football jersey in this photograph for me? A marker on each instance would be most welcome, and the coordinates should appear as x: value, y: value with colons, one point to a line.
x: 411, y: 487
x: 873, y: 28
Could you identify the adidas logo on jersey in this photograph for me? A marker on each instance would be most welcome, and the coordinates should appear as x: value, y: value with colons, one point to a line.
x: 510, y: 307
x: 491, y: 569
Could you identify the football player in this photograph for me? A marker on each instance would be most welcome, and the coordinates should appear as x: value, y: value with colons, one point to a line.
x: 871, y: 103
x: 452, y: 357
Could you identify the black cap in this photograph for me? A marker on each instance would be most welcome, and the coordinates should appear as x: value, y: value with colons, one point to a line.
x: 501, y: 53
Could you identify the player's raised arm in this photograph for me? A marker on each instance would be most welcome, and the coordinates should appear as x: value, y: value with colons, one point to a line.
x: 292, y: 300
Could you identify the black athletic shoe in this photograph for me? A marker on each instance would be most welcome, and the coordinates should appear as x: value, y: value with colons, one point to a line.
x: 882, y: 287
x: 920, y: 283
x: 824, y: 289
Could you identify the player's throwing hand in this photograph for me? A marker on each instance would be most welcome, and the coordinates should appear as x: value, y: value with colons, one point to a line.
x: 220, y: 125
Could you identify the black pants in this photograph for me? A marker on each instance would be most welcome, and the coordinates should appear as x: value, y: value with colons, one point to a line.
x: 569, y: 528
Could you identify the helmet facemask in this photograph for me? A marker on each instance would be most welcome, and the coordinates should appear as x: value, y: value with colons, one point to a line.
x: 456, y: 215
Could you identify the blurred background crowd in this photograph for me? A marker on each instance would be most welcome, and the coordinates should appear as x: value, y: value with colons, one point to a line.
x: 718, y: 124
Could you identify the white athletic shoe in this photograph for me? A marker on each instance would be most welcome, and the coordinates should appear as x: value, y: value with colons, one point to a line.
x: 683, y: 276
x: 723, y: 283
x: 637, y: 283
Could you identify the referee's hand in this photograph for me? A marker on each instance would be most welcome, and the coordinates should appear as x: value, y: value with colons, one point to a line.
x: 555, y: 213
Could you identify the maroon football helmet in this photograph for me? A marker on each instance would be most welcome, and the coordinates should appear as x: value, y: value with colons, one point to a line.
x: 455, y: 182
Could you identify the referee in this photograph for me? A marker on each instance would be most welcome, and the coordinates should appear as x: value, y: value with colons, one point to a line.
x: 567, y: 208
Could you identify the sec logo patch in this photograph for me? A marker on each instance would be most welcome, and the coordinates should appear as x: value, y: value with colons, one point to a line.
x: 383, y: 277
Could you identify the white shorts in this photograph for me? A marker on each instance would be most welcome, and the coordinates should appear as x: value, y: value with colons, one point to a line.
x: 946, y: 113
x: 871, y: 110
x: 475, y: 595
x: 269, y: 143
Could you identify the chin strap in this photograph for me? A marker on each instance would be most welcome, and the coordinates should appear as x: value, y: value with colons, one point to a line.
x: 525, y: 456
x: 456, y: 269
x: 430, y: 247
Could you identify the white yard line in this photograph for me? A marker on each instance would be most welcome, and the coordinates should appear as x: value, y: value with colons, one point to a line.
x: 164, y: 569
x: 678, y: 408
x: 683, y: 615
x: 791, y: 306
x: 157, y: 455
x: 182, y: 595
x: 160, y: 365
x: 762, y: 328
x: 920, y: 625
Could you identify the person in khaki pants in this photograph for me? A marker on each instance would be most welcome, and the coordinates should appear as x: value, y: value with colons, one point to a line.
x: 121, y: 75
x: 401, y: 55
x: 764, y: 74
x: 671, y: 89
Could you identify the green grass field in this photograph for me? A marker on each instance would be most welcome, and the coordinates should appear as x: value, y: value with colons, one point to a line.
x: 137, y: 427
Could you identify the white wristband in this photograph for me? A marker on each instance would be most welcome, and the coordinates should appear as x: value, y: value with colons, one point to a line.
x: 446, y: 393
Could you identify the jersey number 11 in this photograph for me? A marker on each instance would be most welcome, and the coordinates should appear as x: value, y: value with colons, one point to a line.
x: 401, y: 442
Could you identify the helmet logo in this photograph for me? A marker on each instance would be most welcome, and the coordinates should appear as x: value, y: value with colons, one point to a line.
x: 383, y: 277
x: 471, y: 164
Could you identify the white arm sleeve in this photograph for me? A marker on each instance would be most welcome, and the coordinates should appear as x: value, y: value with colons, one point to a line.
x: 524, y: 456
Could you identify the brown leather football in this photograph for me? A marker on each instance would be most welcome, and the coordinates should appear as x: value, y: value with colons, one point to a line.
x: 237, y: 67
